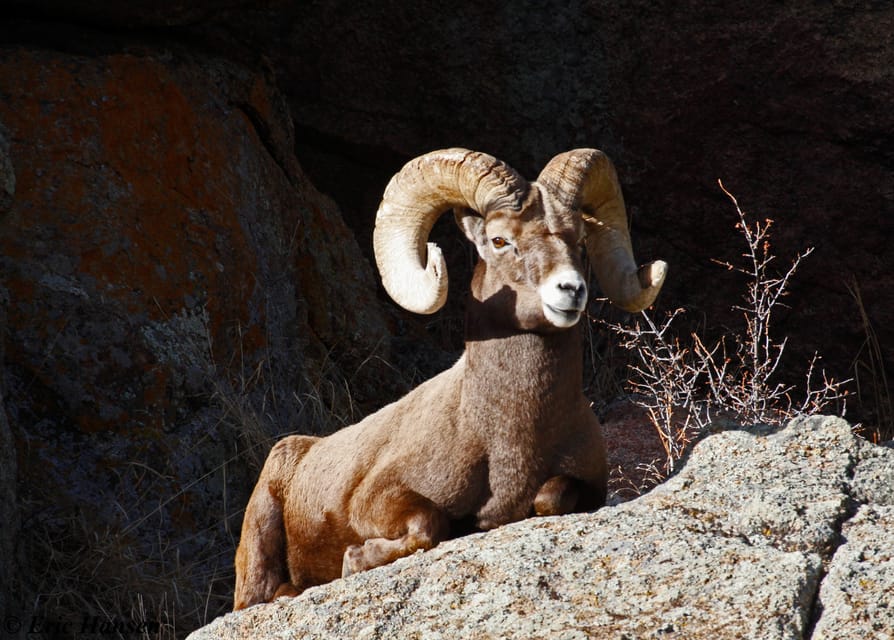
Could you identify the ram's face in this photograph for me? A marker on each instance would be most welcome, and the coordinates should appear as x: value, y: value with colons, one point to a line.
x: 533, y: 257
x: 527, y: 234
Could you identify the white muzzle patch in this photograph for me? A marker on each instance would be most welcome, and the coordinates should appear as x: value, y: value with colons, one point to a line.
x: 564, y: 298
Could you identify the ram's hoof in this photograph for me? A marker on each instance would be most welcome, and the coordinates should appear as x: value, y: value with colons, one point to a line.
x: 286, y: 590
x: 354, y: 561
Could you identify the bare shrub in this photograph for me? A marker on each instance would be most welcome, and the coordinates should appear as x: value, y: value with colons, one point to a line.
x: 688, y: 386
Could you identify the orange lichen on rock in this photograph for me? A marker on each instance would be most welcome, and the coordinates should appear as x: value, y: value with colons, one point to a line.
x: 129, y: 199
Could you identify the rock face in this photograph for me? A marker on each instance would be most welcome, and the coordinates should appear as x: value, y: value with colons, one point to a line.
x: 761, y: 535
x: 166, y: 273
x: 9, y: 512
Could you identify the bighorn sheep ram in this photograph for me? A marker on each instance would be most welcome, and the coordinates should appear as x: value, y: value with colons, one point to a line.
x: 503, y: 434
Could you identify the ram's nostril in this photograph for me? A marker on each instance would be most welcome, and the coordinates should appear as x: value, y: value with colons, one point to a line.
x: 575, y: 289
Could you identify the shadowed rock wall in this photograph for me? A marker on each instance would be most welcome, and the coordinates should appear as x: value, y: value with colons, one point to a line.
x: 787, y: 104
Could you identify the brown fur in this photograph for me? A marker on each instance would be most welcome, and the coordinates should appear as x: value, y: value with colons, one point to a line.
x: 503, y: 434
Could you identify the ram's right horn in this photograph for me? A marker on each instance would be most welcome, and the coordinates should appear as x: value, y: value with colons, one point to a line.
x: 585, y: 180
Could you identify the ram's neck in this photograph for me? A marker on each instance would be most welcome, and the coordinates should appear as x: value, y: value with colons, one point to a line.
x: 551, y: 357
x: 516, y: 381
x: 524, y: 379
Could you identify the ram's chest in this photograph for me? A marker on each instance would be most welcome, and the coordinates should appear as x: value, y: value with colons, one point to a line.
x: 464, y: 488
x: 504, y: 471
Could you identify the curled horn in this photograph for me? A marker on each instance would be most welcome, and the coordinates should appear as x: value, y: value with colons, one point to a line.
x: 413, y: 270
x: 585, y: 180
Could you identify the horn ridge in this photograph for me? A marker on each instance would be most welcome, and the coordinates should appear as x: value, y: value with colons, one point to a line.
x: 585, y: 180
x: 413, y: 270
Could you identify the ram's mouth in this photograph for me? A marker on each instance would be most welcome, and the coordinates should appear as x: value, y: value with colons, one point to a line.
x: 562, y: 318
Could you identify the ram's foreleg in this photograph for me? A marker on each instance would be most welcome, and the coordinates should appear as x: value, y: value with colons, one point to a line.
x: 561, y: 495
x: 397, y: 522
x: 261, y: 570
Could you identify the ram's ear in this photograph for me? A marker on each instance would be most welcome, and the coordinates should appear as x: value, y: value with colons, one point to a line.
x: 472, y: 226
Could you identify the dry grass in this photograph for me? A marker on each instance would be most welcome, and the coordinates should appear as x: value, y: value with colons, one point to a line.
x: 103, y: 581
x: 122, y: 580
x: 873, y: 392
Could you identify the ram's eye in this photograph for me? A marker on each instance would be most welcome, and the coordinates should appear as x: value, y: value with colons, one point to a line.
x: 499, y: 242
